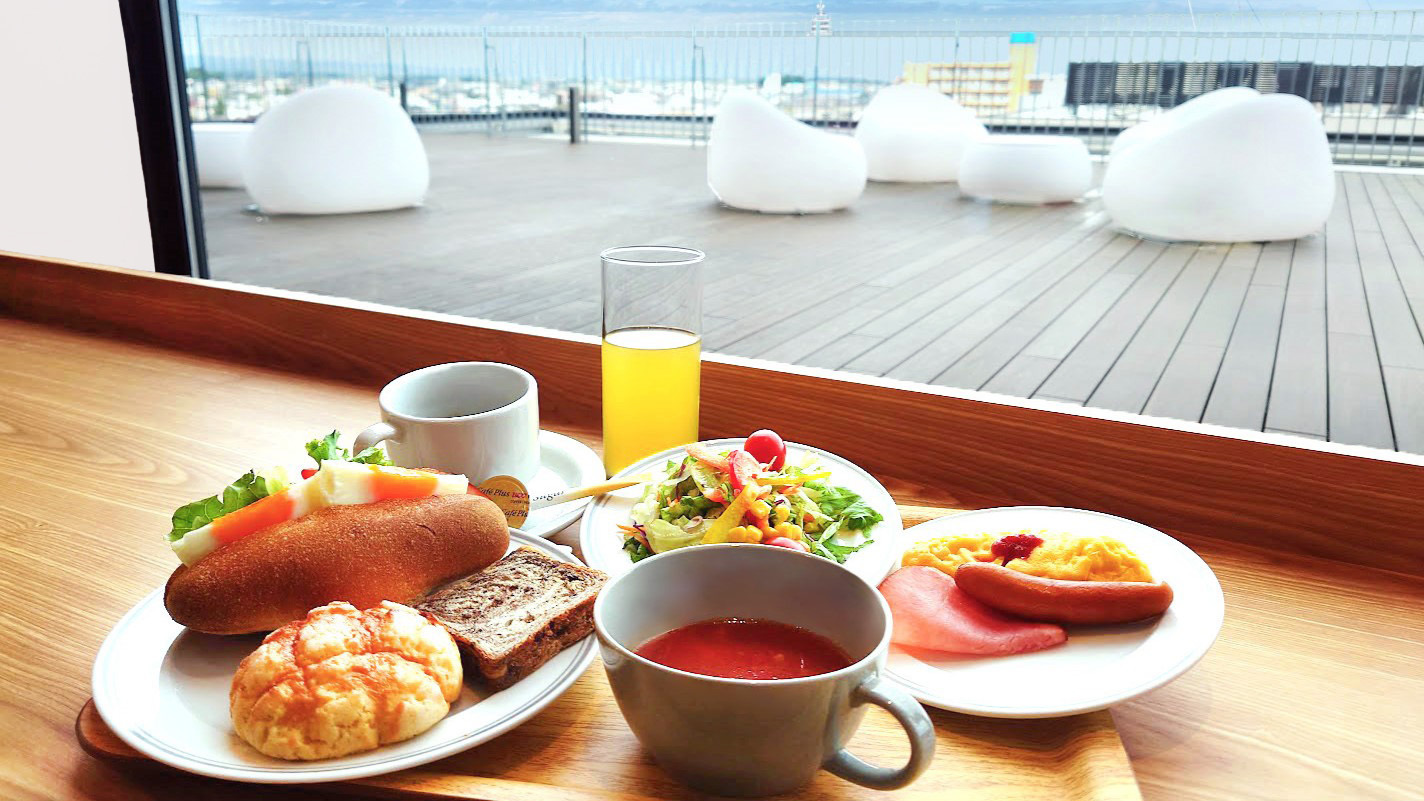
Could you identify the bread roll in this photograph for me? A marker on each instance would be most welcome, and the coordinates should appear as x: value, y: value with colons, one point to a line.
x: 396, y: 550
x: 342, y: 681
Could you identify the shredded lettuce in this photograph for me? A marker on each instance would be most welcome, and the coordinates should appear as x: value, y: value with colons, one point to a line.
x: 859, y: 516
x: 704, y: 476
x: 664, y: 536
x: 839, y: 552
x: 826, y: 544
x: 252, y: 486
x: 329, y: 448
x: 637, y: 550
x: 831, y: 500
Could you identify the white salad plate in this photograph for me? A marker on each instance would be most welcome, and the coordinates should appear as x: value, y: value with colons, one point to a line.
x: 164, y: 691
x: 601, y: 541
x: 564, y: 463
x: 1099, y: 665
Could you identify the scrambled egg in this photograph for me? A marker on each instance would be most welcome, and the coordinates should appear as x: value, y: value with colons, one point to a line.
x: 1061, y: 556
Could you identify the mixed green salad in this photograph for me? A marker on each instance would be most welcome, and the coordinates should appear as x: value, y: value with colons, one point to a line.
x: 748, y: 495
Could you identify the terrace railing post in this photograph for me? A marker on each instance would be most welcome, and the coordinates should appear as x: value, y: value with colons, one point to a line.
x: 489, y: 87
x: 405, y: 77
x: 390, y: 65
x: 573, y: 115
x: 692, y: 90
x: 583, y: 74
x: 202, y: 65
x: 816, y: 79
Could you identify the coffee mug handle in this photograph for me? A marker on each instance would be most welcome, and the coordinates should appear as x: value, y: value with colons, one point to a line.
x: 374, y: 433
x: 917, y: 725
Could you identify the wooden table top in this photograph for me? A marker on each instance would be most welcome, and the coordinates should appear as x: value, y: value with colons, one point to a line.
x: 1313, y: 691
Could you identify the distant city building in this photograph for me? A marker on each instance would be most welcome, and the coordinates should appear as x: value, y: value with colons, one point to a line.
x: 987, y: 87
x: 1393, y: 89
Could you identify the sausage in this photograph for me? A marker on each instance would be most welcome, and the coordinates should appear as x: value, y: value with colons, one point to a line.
x: 1060, y: 601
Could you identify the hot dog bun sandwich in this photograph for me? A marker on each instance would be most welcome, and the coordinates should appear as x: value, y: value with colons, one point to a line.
x: 356, y: 529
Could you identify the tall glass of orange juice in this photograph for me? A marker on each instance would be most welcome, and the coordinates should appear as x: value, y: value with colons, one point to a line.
x: 652, y: 349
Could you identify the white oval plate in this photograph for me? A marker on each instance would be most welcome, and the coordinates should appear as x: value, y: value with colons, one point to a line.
x: 602, y: 543
x: 164, y: 691
x: 1099, y: 665
x: 564, y: 463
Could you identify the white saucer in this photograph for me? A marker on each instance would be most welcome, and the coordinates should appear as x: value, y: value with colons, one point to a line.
x: 564, y: 463
x: 602, y: 543
x: 1099, y: 665
x: 164, y: 691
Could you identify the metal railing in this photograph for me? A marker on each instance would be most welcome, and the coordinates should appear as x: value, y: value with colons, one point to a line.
x: 1085, y: 76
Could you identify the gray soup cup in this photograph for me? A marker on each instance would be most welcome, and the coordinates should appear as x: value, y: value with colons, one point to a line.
x: 754, y: 737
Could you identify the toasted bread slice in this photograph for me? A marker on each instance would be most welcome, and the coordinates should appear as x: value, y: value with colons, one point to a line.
x: 519, y: 612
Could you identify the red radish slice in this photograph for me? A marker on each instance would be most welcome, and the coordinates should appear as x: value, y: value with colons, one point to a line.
x: 708, y: 457
x: 744, y: 469
x: 932, y: 612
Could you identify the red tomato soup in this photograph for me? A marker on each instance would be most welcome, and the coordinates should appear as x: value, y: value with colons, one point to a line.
x: 735, y: 648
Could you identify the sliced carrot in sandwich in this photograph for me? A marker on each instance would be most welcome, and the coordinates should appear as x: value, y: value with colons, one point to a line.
x: 389, y: 484
x: 254, y: 517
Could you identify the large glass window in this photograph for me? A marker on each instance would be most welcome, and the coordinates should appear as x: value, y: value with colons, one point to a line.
x: 447, y: 164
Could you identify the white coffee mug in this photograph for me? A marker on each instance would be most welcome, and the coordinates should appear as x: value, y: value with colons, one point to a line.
x: 476, y: 418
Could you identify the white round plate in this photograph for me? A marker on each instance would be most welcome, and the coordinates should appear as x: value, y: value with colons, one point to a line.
x: 564, y: 463
x: 164, y: 691
x: 602, y: 543
x: 1099, y: 665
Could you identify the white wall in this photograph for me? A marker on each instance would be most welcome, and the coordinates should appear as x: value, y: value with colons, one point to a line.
x: 71, y: 184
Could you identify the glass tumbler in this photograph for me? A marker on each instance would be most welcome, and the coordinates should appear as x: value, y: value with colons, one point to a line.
x: 652, y: 349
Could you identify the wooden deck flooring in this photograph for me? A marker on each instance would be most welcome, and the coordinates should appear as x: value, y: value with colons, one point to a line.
x: 1318, y: 337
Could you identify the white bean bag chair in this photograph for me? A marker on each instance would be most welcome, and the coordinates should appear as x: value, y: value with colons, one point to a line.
x: 1249, y: 171
x: 762, y: 160
x: 912, y: 133
x: 220, y: 149
x: 1013, y: 168
x: 1199, y: 106
x: 335, y: 150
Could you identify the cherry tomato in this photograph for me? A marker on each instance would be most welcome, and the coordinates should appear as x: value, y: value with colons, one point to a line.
x: 308, y: 472
x: 744, y: 468
x: 787, y: 542
x: 766, y: 446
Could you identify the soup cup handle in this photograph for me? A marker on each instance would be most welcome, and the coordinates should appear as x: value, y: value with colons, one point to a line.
x: 917, y: 725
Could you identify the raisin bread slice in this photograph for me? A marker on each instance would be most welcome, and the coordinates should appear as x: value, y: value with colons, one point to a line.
x: 519, y: 612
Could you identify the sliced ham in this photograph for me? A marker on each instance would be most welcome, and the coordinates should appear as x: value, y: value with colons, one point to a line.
x: 932, y: 612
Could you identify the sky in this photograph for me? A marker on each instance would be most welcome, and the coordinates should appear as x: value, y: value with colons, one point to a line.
x: 605, y: 12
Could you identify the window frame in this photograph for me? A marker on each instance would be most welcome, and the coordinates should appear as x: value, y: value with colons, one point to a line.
x: 165, y: 138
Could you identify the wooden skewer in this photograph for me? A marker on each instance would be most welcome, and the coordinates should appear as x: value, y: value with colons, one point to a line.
x: 552, y: 498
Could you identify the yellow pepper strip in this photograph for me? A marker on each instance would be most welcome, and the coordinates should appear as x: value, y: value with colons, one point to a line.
x: 731, y: 518
x: 787, y: 481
